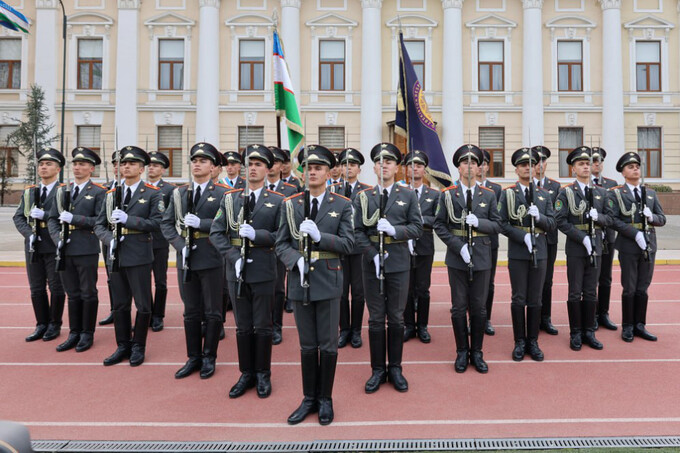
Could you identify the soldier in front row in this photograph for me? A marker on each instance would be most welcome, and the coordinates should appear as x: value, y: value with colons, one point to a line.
x: 469, y: 264
x: 330, y: 232
x: 81, y: 250
x: 521, y: 205
x: 579, y: 211
x: 30, y: 219
x: 630, y: 207
x: 397, y: 221
x: 139, y: 214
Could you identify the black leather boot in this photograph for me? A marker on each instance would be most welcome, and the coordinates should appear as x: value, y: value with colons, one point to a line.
x: 376, y: 343
x: 142, y: 321
x: 210, y: 343
x: 357, y: 320
x: 245, y: 345
x: 327, y: 364
x: 310, y: 368
x: 639, y: 329
x: 478, y: 324
x: 41, y: 309
x: 589, y: 323
x: 123, y: 327
x: 603, y: 298
x: 533, y: 322
x: 460, y: 334
x: 193, y: 340
x: 75, y: 324
x: 159, y: 302
x: 627, y: 317
x: 263, y: 365
x: 395, y: 349
x: 575, y: 326
x: 518, y: 332
x: 56, y: 314
x: 424, y: 319
x: 90, y: 308
x: 547, y: 326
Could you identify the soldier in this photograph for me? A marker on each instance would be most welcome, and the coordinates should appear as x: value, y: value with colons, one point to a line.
x: 579, y: 211
x: 256, y: 277
x: 326, y: 234
x: 200, y: 267
x: 81, y: 251
x: 633, y: 207
x: 418, y: 302
x: 335, y: 175
x: 105, y: 251
x: 351, y: 316
x: 140, y: 214
x: 466, y: 215
x: 604, y: 288
x: 553, y: 187
x: 521, y: 206
x: 233, y: 178
x: 159, y: 163
x: 483, y: 181
x: 30, y: 219
x: 275, y: 184
x: 286, y: 172
x: 217, y: 169
x: 387, y: 216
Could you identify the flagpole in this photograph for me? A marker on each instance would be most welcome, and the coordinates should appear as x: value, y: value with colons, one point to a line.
x: 63, y: 79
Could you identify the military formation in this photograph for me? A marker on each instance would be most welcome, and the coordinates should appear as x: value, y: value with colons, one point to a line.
x: 325, y: 246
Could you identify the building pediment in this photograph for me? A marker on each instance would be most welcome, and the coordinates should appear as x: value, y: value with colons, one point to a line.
x: 331, y: 20
x: 164, y: 20
x: 491, y: 21
x: 412, y: 20
x: 89, y: 18
x: 570, y: 22
x: 249, y: 20
x: 649, y: 22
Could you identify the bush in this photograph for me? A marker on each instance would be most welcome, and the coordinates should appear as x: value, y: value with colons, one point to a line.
x: 660, y: 188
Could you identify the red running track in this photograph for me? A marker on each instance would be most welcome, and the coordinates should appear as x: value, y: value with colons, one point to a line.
x: 626, y: 389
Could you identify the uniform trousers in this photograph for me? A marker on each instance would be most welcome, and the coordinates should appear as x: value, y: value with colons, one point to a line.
x: 351, y: 316
x: 388, y: 306
x: 466, y: 295
x: 526, y: 282
x: 317, y: 324
x: 80, y: 282
x: 202, y: 294
x: 253, y: 311
x: 546, y: 304
x: 41, y: 274
x: 419, y: 289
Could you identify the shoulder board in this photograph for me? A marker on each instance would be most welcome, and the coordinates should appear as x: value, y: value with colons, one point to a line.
x: 111, y: 190
x: 151, y: 186
x: 61, y: 184
x: 487, y: 188
x: 292, y: 196
x: 552, y: 180
x: 405, y: 186
x: 218, y: 184
x: 616, y: 187
x: 509, y: 187
x: 366, y: 189
x: 340, y: 196
x: 99, y: 185
x: 235, y: 190
x: 363, y: 184
x: 542, y: 189
x: 183, y: 185
x: 31, y: 186
x: 451, y: 187
x: 289, y: 185
x: 566, y: 185
x: 336, y: 184
x: 276, y: 193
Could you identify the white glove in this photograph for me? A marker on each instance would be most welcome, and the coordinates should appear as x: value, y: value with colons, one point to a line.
x: 640, y: 239
x: 465, y: 254
x: 184, y: 256
x: 588, y: 245
x: 192, y: 221
x: 66, y: 217
x: 308, y: 226
x: 527, y: 241
x: 111, y: 248
x: 376, y: 261
x: 648, y: 213
x: 37, y: 213
x: 533, y: 212
x: 301, y: 268
x: 593, y: 214
x: 411, y: 246
x: 246, y: 231
x: 385, y: 226
x: 31, y: 241
x: 119, y: 216
x: 237, y: 266
x: 472, y: 220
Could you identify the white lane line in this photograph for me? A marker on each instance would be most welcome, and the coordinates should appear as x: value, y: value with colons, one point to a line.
x: 507, y: 421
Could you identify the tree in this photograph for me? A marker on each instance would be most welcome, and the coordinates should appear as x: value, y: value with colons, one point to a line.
x: 34, y: 132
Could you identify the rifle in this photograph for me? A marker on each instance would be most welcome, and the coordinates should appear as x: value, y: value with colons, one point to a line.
x: 381, y: 234
x: 189, y: 239
x: 106, y: 164
x: 306, y: 240
x: 643, y: 204
x: 118, y: 204
x: 532, y: 227
x: 468, y: 208
x: 65, y: 230
x: 591, y: 223
x: 245, y: 243
x: 36, y: 202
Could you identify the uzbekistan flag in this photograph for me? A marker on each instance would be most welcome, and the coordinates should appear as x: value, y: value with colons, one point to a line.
x: 285, y: 103
x: 13, y: 19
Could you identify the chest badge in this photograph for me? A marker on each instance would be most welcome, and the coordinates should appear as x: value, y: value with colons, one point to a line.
x: 88, y: 197
x: 429, y: 200
x: 482, y: 205
x: 541, y: 198
x: 333, y: 214
x: 269, y: 205
x: 142, y: 200
x: 401, y: 203
x: 211, y: 198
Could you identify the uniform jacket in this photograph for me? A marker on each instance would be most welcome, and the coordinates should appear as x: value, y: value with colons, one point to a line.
x: 610, y: 234
x: 166, y: 189
x: 204, y: 255
x: 239, y: 184
x: 264, y: 219
x: 144, y: 215
x: 295, y: 182
x: 85, y: 209
x: 285, y: 189
x: 622, y: 197
x: 514, y: 228
x: 23, y: 222
x: 335, y: 222
x: 497, y: 189
x: 428, y: 201
x: 402, y: 211
x: 553, y: 187
x: 567, y: 221
x: 484, y: 206
x: 339, y: 188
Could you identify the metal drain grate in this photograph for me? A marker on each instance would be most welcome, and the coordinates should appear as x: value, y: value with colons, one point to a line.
x: 354, y: 445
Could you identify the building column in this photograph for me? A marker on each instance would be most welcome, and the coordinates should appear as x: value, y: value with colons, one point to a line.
x: 532, y: 74
x: 48, y: 34
x: 290, y: 34
x: 208, y: 83
x: 371, y: 77
x: 452, y: 79
x: 612, y: 86
x: 127, y: 63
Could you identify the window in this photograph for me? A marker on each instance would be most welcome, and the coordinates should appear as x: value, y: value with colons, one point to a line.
x: 490, y: 66
x: 332, y: 138
x: 569, y: 66
x: 331, y: 65
x: 90, y: 64
x: 569, y: 138
x: 10, y: 63
x: 416, y: 52
x: 9, y: 156
x: 251, y: 61
x: 250, y: 135
x: 170, y: 144
x: 492, y: 139
x: 649, y: 148
x: 648, y: 65
x: 171, y: 64
x: 89, y: 137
